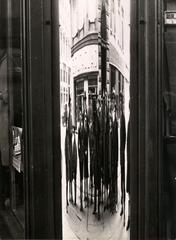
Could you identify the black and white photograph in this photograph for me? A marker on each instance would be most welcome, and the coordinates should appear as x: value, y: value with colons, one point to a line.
x: 87, y: 119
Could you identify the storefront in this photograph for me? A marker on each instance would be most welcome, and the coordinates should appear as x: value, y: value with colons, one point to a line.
x: 85, y: 86
x: 30, y: 117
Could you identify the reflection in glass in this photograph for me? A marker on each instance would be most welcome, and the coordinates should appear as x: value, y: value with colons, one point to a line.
x: 11, y: 161
x: 95, y: 116
x: 4, y: 140
x: 15, y: 107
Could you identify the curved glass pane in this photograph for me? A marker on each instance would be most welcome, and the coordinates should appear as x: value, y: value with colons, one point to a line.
x: 94, y: 79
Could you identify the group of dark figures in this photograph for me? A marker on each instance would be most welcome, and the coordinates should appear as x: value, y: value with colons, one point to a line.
x: 100, y: 146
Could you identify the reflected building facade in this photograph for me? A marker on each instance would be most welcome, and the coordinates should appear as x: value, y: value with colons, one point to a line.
x: 65, y: 51
x: 100, y: 48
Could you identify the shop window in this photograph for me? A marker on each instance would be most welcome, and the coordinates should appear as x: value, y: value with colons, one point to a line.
x: 11, y: 112
x: 61, y: 75
x: 69, y: 75
x: 79, y: 86
x: 92, y: 87
x: 61, y: 99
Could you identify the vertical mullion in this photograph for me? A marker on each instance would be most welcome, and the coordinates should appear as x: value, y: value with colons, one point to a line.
x: 142, y: 113
x: 134, y: 122
x: 56, y: 121
x: 152, y: 146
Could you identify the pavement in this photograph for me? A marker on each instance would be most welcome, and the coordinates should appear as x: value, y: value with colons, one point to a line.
x: 9, y: 228
x: 4, y: 230
x: 85, y: 225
